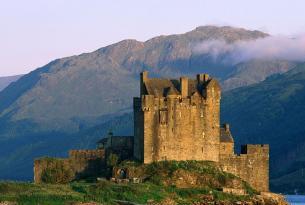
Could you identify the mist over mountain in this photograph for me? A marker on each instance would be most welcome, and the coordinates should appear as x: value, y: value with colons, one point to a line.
x: 268, y: 48
x: 71, y: 102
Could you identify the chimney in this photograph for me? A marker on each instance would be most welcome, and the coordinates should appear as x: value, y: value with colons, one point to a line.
x: 201, y: 78
x: 143, y: 79
x: 184, y: 85
x: 227, y: 127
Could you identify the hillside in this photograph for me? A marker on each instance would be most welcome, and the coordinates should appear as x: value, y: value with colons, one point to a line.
x: 71, y: 102
x: 273, y: 112
x: 5, y: 81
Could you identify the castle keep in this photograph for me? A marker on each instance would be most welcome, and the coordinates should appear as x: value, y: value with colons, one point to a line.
x: 177, y: 119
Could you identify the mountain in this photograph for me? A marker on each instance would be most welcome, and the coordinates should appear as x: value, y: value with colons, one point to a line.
x: 273, y: 112
x: 60, y: 105
x: 5, y: 81
x: 102, y: 83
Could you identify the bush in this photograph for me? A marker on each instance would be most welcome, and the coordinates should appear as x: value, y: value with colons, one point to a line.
x: 57, y: 172
x: 112, y: 160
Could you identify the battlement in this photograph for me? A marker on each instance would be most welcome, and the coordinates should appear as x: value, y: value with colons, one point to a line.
x: 87, y: 154
x: 183, y: 87
x: 255, y: 149
x: 252, y: 165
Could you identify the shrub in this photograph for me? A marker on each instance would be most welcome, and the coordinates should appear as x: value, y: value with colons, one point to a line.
x: 249, y: 189
x: 57, y: 172
x: 112, y: 160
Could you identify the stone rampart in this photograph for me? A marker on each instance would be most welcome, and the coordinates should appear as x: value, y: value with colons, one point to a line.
x: 81, y: 163
x: 252, y: 165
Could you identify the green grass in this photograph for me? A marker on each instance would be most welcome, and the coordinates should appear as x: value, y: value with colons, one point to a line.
x: 103, y: 192
x: 28, y: 193
x: 160, y: 184
x: 208, y: 173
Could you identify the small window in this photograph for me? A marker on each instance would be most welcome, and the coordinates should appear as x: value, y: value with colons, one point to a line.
x: 201, y: 113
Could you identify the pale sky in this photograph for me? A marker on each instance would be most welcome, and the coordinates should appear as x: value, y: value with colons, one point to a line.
x: 34, y: 32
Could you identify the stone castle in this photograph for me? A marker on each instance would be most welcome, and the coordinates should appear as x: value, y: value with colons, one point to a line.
x: 180, y: 120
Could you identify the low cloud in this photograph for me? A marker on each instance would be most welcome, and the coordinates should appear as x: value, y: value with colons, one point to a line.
x: 269, y: 48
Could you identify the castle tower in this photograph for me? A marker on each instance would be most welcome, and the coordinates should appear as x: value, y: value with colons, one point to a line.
x: 177, y: 119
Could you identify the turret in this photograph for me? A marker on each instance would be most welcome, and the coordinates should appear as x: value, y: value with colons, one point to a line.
x: 202, y: 78
x: 143, y: 79
x: 226, y: 127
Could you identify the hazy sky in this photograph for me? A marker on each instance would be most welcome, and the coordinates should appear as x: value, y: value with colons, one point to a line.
x: 34, y: 32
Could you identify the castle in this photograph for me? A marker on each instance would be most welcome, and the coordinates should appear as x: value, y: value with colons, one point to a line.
x: 180, y: 120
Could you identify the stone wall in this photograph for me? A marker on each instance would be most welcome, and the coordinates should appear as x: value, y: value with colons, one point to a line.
x: 252, y: 165
x: 87, y: 162
x: 122, y: 146
x: 82, y: 163
x: 138, y: 148
x: 42, y: 164
x: 226, y: 148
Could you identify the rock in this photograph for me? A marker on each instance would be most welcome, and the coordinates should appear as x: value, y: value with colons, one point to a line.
x: 273, y: 199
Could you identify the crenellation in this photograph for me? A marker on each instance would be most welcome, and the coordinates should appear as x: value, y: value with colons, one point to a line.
x: 255, y: 149
x: 252, y: 167
x: 86, y: 154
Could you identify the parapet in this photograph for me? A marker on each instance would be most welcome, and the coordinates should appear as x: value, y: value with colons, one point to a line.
x: 255, y: 149
x: 185, y: 87
x: 87, y: 154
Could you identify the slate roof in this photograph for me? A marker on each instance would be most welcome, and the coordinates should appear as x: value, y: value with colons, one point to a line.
x: 225, y: 136
x: 159, y: 87
x: 162, y: 87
